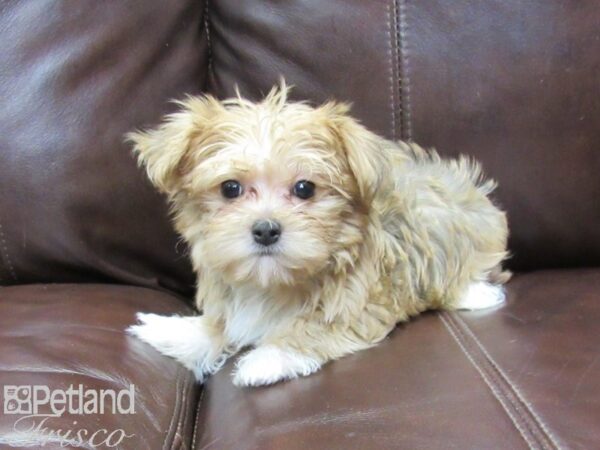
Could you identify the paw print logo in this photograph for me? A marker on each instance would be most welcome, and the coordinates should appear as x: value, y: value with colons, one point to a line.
x: 17, y: 400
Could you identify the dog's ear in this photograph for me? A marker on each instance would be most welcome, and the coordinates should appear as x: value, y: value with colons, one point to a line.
x: 367, y: 154
x: 164, y: 149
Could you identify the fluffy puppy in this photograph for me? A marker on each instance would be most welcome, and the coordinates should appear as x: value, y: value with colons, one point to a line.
x: 310, y: 235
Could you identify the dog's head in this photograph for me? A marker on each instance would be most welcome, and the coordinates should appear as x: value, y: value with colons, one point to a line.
x: 266, y: 193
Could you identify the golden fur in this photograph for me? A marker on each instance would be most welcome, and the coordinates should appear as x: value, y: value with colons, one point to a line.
x: 392, y: 230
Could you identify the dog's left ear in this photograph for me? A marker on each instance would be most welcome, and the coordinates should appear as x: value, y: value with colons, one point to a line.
x: 368, y: 155
x: 163, y: 151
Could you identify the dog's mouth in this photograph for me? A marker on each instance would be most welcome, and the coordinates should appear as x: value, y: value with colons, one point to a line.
x: 263, y: 252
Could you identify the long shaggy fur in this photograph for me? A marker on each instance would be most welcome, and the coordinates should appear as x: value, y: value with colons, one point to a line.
x: 392, y: 230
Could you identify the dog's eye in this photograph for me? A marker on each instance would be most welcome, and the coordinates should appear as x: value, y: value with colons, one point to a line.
x: 231, y: 189
x: 304, y: 189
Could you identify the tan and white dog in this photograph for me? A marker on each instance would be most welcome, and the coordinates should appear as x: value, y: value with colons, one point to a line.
x: 311, y: 236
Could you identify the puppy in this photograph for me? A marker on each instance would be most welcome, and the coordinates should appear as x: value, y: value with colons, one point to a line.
x: 310, y: 235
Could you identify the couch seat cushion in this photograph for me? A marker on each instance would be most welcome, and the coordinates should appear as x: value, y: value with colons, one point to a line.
x: 63, y: 335
x: 524, y: 375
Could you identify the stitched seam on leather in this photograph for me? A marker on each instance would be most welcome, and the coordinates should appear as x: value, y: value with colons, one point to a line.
x: 513, y: 398
x: 208, y: 40
x: 192, y: 382
x: 404, y: 72
x: 493, y: 387
x: 393, y: 58
x: 529, y: 419
x: 4, y: 253
x: 175, y: 408
x: 195, y: 434
x: 508, y: 393
x: 527, y: 405
x: 182, y: 417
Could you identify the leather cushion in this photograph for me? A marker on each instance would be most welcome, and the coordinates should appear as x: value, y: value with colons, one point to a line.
x: 74, y: 79
x: 521, y: 376
x: 514, y: 84
x: 61, y: 335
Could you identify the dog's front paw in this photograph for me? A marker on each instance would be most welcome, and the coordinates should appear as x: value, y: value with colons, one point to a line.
x: 270, y: 364
x: 183, y: 338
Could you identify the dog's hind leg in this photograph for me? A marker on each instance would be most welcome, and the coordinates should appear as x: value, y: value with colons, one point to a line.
x: 481, y: 295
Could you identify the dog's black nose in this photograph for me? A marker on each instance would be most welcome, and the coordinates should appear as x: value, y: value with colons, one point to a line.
x: 266, y: 232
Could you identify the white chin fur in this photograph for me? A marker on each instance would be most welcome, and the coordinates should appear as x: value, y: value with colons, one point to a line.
x: 270, y: 364
x: 182, y: 338
x: 481, y: 295
x: 261, y: 270
x: 269, y: 271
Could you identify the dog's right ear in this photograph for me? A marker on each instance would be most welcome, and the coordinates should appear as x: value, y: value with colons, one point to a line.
x: 164, y: 149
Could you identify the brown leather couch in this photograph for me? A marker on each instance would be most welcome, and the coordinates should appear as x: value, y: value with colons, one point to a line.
x: 85, y: 241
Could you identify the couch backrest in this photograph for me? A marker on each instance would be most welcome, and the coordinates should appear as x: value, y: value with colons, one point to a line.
x: 74, y: 78
x: 515, y: 84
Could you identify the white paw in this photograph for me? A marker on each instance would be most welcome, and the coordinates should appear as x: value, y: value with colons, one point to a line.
x: 481, y: 295
x: 270, y: 364
x: 182, y: 338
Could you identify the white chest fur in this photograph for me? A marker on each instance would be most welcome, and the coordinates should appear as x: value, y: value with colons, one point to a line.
x: 250, y: 316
